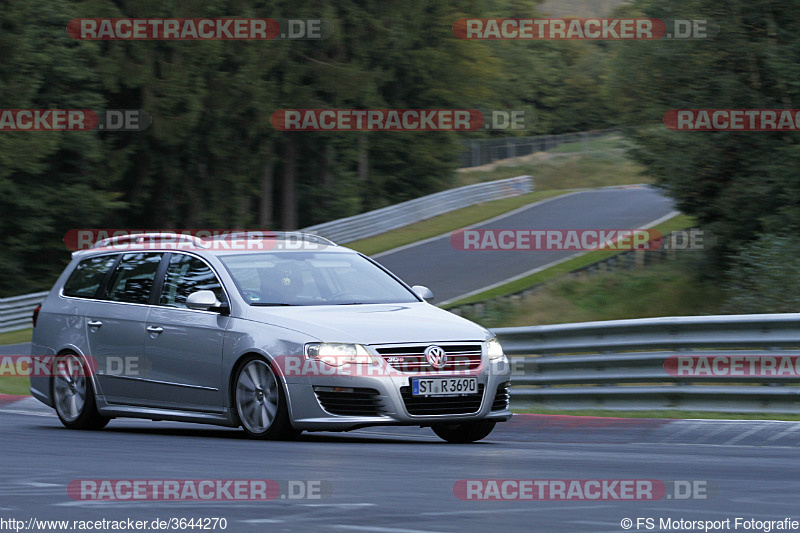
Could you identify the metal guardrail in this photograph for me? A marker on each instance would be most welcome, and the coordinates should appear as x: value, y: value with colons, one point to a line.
x: 15, y: 312
x: 405, y: 213
x: 620, y: 364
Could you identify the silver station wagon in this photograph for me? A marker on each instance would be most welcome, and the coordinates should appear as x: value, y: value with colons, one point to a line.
x: 277, y: 335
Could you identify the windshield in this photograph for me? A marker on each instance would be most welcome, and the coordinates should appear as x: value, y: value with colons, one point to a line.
x: 313, y: 278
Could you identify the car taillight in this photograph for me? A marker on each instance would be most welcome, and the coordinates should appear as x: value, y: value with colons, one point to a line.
x: 36, y: 314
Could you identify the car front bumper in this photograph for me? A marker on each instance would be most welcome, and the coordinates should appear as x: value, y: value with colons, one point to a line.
x: 336, y: 403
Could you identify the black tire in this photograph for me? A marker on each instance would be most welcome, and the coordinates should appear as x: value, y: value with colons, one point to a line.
x: 260, y: 402
x: 73, y: 394
x: 464, y: 433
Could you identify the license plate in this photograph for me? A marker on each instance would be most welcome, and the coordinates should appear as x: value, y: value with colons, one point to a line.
x: 443, y: 386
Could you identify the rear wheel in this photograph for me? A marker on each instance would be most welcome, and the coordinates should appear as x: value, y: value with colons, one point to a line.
x: 73, y: 395
x: 260, y: 401
x: 465, y: 432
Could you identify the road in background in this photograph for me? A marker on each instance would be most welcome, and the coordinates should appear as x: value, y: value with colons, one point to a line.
x: 452, y: 273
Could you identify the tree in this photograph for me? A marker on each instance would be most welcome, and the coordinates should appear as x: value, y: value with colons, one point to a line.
x: 738, y: 185
x: 50, y: 182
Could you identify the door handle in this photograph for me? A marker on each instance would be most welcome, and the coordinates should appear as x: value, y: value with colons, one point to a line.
x: 94, y: 323
x: 155, y: 329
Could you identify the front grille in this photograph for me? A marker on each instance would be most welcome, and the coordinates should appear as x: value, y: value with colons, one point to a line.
x: 442, y: 405
x: 349, y: 401
x: 411, y: 359
x: 501, y: 398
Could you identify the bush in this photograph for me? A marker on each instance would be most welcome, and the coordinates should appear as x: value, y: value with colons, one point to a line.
x: 763, y: 276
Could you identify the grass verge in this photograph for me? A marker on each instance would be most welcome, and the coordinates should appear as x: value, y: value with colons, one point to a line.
x: 597, y: 163
x: 669, y: 288
x: 15, y: 385
x: 676, y: 223
x: 16, y: 337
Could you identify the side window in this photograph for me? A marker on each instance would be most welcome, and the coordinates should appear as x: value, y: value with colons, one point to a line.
x: 87, y: 276
x: 185, y: 275
x: 133, y: 278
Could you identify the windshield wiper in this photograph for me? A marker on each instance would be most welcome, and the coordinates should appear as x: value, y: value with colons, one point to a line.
x: 270, y: 304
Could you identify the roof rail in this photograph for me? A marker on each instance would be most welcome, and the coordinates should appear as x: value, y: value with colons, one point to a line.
x: 140, y: 238
x: 269, y: 234
x: 311, y: 237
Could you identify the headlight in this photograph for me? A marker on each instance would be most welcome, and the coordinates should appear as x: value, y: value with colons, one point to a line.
x: 495, y: 351
x: 336, y: 354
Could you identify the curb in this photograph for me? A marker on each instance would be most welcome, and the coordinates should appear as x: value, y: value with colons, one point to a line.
x: 6, y: 399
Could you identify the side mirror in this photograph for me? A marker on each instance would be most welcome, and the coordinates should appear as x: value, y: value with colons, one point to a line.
x: 423, y: 292
x: 205, y: 301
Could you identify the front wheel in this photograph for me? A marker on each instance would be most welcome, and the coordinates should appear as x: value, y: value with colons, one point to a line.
x: 260, y: 402
x: 465, y: 432
x: 73, y: 395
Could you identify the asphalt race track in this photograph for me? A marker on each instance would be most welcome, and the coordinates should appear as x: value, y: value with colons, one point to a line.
x: 396, y: 480
x: 451, y: 273
x: 406, y: 480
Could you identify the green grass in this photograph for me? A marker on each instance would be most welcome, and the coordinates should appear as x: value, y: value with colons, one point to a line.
x: 447, y: 222
x: 669, y: 288
x: 673, y: 224
x: 17, y: 385
x: 596, y: 163
x: 601, y: 144
x: 662, y: 414
x: 16, y: 337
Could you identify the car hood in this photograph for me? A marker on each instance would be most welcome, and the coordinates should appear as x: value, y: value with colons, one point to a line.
x: 372, y: 323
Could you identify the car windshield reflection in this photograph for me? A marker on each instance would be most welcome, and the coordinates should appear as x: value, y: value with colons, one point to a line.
x: 313, y: 278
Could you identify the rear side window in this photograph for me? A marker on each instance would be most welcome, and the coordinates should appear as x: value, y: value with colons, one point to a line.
x: 133, y: 279
x: 185, y: 275
x: 87, y: 276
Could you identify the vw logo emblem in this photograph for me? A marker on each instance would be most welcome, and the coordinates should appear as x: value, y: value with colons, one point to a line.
x: 436, y: 356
